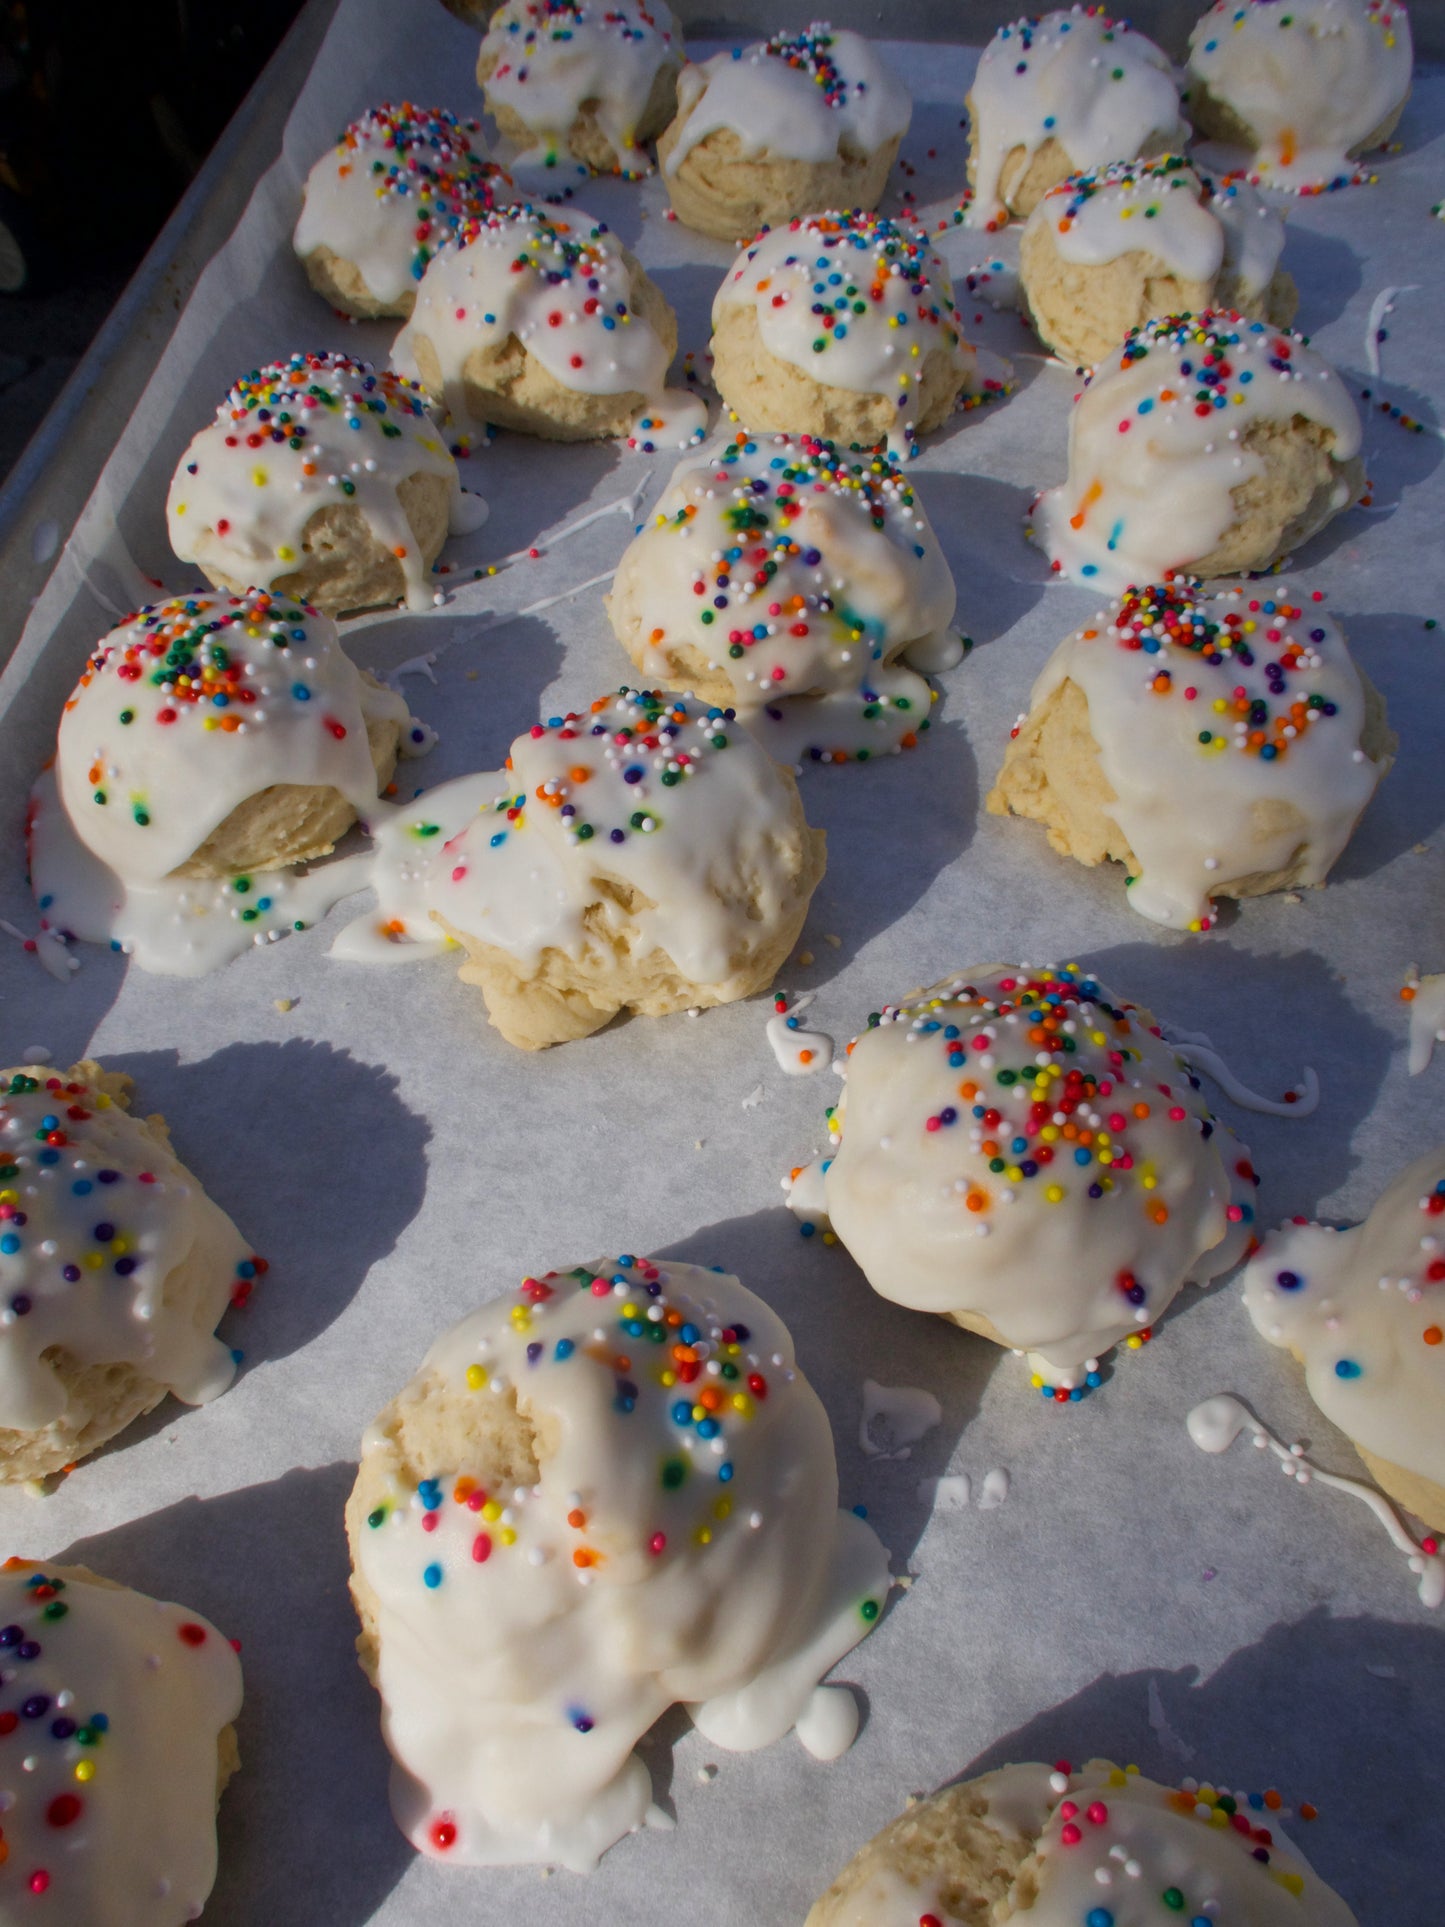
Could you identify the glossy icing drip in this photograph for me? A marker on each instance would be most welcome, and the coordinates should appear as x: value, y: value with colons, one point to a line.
x: 556, y: 55
x: 318, y: 431
x: 119, y: 1701
x: 1015, y: 1146
x: 186, y: 711
x: 1154, y: 443
x: 1365, y: 1311
x: 1078, y: 78
x: 681, y: 1543
x: 1193, y: 222
x: 396, y: 184
x: 805, y: 97
x: 109, y: 1251
x: 557, y: 282
x: 1312, y: 79
x: 802, y: 575
x: 657, y: 802
x: 1228, y: 729
x: 857, y: 301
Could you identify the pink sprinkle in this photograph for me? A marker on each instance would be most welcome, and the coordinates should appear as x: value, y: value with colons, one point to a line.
x: 1071, y: 1835
x: 482, y: 1548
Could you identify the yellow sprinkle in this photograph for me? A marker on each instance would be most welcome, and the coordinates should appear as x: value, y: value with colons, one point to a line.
x: 703, y: 1535
x: 742, y: 1403
x: 180, y: 508
x: 722, y: 1508
x: 85, y: 1770
x: 1055, y: 1194
x: 93, y: 1260
x: 258, y: 476
x: 285, y: 555
x: 476, y: 1378
x: 491, y: 1510
x: 667, y: 1378
x: 507, y: 1536
x: 1116, y: 1778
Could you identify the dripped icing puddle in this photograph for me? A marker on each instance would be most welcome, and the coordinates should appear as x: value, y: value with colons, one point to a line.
x: 895, y: 1418
x: 1219, y: 1421
x: 799, y: 1052
x: 1426, y: 998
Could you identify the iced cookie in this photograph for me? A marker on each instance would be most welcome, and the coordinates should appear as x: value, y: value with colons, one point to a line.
x: 1058, y: 96
x: 123, y: 1706
x: 1363, y: 1312
x: 589, y: 80
x: 604, y: 1493
x: 645, y: 855
x: 1109, y: 251
x: 211, y: 741
x: 1217, y: 746
x: 378, y: 205
x: 783, y: 578
x: 543, y: 322
x: 1206, y: 445
x: 1018, y: 1152
x: 324, y: 479
x: 115, y: 1268
x: 788, y: 125
x: 841, y: 326
x: 1308, y: 85
x: 1099, y: 1846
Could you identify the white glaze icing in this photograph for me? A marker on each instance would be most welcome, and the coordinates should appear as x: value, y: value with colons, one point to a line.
x: 184, y: 712
x: 887, y: 301
x: 556, y: 55
x: 317, y: 431
x: 798, y: 1052
x: 1197, y: 1051
x: 557, y: 281
x: 1090, y: 83
x: 1155, y: 444
x: 1186, y: 694
x: 1365, y: 1311
x: 397, y: 182
x: 1190, y: 220
x: 1427, y: 1017
x: 1311, y: 79
x: 803, y: 576
x: 1215, y: 1424
x: 119, y: 1701
x: 657, y: 795
x: 895, y: 1418
x: 809, y: 96
x: 1107, y: 1845
x: 109, y: 1251
x: 682, y: 1543
x: 1097, y: 1215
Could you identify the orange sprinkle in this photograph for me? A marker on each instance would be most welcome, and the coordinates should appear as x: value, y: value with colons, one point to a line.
x: 1432, y: 1334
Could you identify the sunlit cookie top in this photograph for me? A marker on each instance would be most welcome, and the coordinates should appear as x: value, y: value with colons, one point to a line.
x: 1311, y: 80
x: 298, y: 436
x: 396, y: 184
x: 801, y: 96
x: 1089, y: 83
x: 1364, y: 1309
x: 111, y: 1708
x: 1155, y: 443
x: 192, y: 706
x: 543, y: 61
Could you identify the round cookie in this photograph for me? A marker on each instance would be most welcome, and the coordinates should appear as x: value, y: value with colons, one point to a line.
x: 841, y: 326
x: 645, y: 855
x: 110, y: 1805
x: 323, y: 479
x: 1361, y: 1309
x: 780, y: 128
x: 1109, y: 251
x: 378, y: 205
x: 1206, y: 445
x: 1022, y: 1154
x: 604, y: 1493
x: 115, y: 1268
x: 216, y: 734
x: 540, y: 321
x: 789, y: 582
x: 1308, y: 86
x: 591, y: 79
x: 1060, y: 95
x: 1219, y: 746
x: 1067, y: 1847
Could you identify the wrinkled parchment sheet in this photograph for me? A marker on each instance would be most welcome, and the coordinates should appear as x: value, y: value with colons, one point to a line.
x: 397, y: 1163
